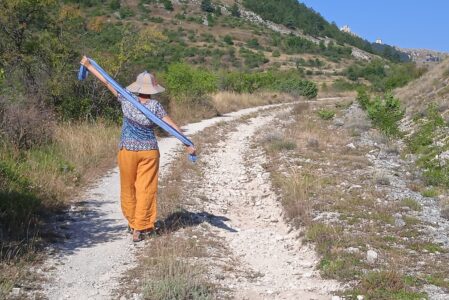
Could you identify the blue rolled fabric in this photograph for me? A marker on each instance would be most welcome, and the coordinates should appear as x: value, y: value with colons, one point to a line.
x: 82, y: 74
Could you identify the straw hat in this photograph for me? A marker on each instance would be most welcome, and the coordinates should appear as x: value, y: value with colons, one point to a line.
x: 145, y: 84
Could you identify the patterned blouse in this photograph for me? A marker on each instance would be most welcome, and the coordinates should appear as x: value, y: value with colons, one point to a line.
x: 137, y: 129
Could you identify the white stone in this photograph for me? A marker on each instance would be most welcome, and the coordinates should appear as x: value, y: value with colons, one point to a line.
x: 15, y: 291
x: 444, y: 158
x: 371, y: 256
x: 350, y: 146
x: 360, y: 297
x: 352, y: 250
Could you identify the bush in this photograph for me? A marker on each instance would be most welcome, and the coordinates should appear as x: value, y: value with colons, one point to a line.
x: 245, y: 82
x: 253, y: 59
x: 228, y: 40
x: 185, y: 83
x: 386, y: 113
x: 384, y: 77
x: 423, y: 142
x: 363, y: 98
x: 297, y: 87
x: 326, y: 114
x: 288, y: 82
x: 206, y: 6
x: 253, y: 43
x: 276, y: 53
x: 114, y: 4
x: 235, y: 11
x: 25, y: 126
x: 125, y: 12
x: 423, y: 137
x: 342, y: 85
x: 168, y: 5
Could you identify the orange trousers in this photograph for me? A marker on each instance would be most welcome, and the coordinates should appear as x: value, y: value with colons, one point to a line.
x: 138, y: 187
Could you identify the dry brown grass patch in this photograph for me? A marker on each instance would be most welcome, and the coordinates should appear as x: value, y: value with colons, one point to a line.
x: 226, y: 102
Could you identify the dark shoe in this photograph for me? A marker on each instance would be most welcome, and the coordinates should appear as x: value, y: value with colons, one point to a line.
x: 129, y: 229
x: 138, y: 236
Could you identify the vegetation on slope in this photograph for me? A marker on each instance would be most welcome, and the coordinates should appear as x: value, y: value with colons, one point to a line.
x: 294, y: 14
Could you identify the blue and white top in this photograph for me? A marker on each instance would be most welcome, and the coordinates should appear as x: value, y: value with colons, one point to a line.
x: 138, y: 130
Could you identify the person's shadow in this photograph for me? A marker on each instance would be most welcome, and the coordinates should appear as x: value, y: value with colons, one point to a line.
x: 184, y: 218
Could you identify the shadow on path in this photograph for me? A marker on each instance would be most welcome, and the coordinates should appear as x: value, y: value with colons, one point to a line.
x: 184, y: 218
x: 87, y: 226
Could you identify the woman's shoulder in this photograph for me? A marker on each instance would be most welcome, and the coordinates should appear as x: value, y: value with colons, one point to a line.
x: 157, y: 107
x: 154, y: 103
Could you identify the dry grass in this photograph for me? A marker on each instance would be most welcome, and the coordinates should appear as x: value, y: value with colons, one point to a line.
x: 79, y: 154
x: 431, y: 87
x: 222, y: 103
x: 173, y: 274
x: 297, y: 187
x: 226, y: 102
x: 40, y: 180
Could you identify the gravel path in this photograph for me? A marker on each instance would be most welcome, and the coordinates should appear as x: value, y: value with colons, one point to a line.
x: 237, y: 186
x: 97, y: 250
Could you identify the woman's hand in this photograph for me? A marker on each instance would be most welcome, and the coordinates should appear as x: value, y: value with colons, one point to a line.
x: 85, y: 61
x: 191, y: 150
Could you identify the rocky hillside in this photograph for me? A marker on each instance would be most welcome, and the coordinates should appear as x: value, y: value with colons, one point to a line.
x: 432, y: 87
x: 425, y: 56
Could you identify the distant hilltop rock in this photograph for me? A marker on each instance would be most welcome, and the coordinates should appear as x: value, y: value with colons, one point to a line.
x: 425, y: 56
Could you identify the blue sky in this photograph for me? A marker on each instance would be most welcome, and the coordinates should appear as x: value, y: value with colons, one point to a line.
x: 403, y: 23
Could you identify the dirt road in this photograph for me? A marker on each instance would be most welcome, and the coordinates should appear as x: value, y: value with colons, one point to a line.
x: 98, y: 250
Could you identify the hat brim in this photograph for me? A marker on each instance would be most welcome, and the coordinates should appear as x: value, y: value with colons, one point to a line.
x: 145, y: 89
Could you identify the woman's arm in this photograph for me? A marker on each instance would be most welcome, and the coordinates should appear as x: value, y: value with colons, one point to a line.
x: 85, y: 62
x: 169, y: 121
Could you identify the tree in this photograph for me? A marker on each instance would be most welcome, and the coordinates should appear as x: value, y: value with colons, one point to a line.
x: 206, y: 6
x: 168, y: 5
x: 228, y: 40
x: 235, y: 11
x: 115, y: 4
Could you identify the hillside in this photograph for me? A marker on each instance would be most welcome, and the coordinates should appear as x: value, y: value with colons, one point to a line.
x: 431, y: 87
x: 425, y: 56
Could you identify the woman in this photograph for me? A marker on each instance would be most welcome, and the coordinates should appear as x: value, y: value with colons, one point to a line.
x: 138, y: 157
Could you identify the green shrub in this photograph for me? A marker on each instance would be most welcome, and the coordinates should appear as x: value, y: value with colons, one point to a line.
x: 385, y: 113
x: 422, y: 142
x: 114, y: 4
x: 126, y: 12
x: 168, y: 5
x: 296, y: 86
x: 276, y: 53
x: 363, y: 98
x: 228, y: 40
x: 207, y: 6
x: 383, y: 76
x: 185, y: 82
x: 235, y: 11
x: 287, y: 82
x: 245, y: 82
x: 326, y: 114
x: 280, y: 145
x: 423, y: 137
x: 253, y: 43
x: 253, y: 59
